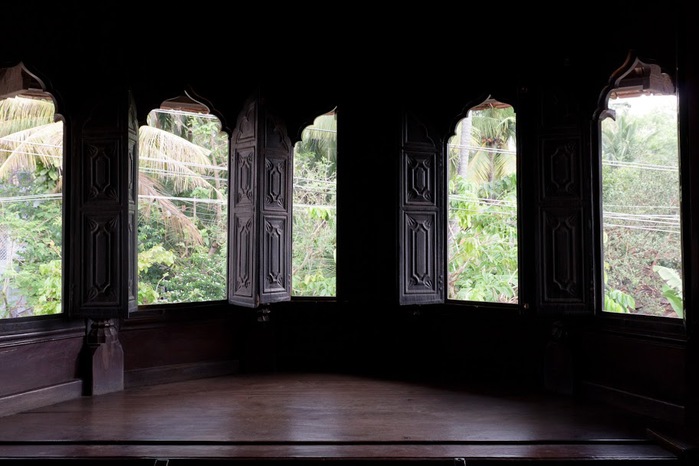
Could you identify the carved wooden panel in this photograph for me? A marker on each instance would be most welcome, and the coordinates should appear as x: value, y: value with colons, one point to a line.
x: 104, y: 178
x: 275, y: 135
x: 101, y: 237
x: 244, y: 176
x: 132, y: 261
x: 261, y: 208
x: 242, y: 264
x: 101, y: 170
x: 130, y: 248
x: 275, y: 219
x: 244, y: 250
x: 132, y: 188
x: 421, y: 255
x: 242, y: 267
x: 275, y: 186
x: 563, y: 233
x: 562, y: 162
x: 421, y: 243
x: 420, y: 177
x: 275, y: 276
x: 246, y: 128
x: 562, y: 257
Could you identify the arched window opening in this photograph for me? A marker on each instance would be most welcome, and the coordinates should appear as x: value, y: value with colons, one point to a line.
x: 315, y: 209
x: 31, y: 198
x: 482, y: 248
x: 182, y: 205
x: 640, y: 195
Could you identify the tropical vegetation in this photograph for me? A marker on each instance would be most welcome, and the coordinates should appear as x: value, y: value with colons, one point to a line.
x: 315, y: 208
x: 482, y: 206
x: 641, y: 207
x: 182, y: 208
x: 183, y: 192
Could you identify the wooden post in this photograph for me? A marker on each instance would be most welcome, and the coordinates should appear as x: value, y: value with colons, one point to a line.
x: 104, y: 358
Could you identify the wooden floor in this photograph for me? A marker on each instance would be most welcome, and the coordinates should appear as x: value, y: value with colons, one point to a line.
x: 322, y: 417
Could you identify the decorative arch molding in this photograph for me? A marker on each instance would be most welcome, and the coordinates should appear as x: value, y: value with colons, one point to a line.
x: 636, y: 77
x: 484, y: 101
x: 633, y: 77
x: 20, y: 80
x: 17, y: 80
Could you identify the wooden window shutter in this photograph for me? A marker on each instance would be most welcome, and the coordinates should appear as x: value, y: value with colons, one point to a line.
x: 104, y: 178
x: 421, y: 222
x: 563, y: 242
x: 260, y: 204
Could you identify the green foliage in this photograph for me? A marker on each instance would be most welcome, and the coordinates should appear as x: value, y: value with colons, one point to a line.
x: 314, y: 215
x: 154, y: 258
x: 31, y: 213
x: 182, y: 217
x: 616, y: 300
x: 32, y: 280
x: 314, y: 245
x: 482, y: 208
x: 202, y: 277
x: 483, y: 248
x: 672, y: 290
x: 182, y: 225
x: 641, y: 200
x: 182, y: 229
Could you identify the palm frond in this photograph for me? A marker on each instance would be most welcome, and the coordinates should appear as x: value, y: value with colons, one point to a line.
x: 322, y: 134
x: 29, y: 133
x: 175, y: 158
x: 20, y: 113
x: 22, y: 149
x: 172, y: 216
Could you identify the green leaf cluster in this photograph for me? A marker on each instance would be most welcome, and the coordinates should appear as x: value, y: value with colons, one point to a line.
x: 314, y: 212
x: 641, y: 207
x: 482, y: 207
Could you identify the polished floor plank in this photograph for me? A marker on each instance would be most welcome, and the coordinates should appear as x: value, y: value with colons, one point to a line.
x: 323, y: 416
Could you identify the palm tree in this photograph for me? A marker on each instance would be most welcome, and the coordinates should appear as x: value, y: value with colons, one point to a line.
x: 31, y: 148
x: 29, y: 134
x: 482, y: 168
x: 494, y: 129
x: 315, y: 168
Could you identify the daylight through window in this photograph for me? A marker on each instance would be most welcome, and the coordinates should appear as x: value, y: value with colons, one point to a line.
x: 641, y: 207
x: 482, y: 206
x: 31, y: 202
x: 315, y: 209
x: 182, y: 208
